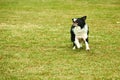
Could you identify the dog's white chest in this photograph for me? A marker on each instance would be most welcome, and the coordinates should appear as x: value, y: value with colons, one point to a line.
x: 80, y: 33
x: 77, y: 30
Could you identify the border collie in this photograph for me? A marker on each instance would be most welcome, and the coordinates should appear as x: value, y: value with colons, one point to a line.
x: 79, y: 32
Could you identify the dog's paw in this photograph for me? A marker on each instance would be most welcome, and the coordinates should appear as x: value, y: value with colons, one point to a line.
x: 74, y: 48
x: 88, y: 49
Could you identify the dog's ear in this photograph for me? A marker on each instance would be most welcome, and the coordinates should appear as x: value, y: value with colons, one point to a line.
x: 84, y: 17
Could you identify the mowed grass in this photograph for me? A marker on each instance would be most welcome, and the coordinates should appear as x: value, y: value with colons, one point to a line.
x: 35, y: 40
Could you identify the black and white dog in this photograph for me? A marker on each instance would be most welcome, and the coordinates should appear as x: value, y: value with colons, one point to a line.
x: 79, y: 32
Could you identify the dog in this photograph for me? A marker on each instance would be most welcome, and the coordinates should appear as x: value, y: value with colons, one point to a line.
x: 79, y: 32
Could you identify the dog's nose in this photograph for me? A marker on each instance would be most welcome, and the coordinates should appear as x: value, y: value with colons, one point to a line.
x: 75, y: 24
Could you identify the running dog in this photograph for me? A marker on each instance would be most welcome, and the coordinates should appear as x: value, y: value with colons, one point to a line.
x: 79, y: 32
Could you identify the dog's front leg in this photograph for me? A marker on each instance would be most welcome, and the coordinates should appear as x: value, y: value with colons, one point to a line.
x: 77, y: 43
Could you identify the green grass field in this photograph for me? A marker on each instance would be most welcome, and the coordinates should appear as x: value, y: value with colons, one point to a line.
x: 35, y: 40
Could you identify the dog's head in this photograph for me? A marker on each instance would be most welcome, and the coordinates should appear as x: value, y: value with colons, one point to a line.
x: 79, y: 21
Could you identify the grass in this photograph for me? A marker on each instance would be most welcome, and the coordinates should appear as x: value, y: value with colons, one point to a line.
x: 35, y: 40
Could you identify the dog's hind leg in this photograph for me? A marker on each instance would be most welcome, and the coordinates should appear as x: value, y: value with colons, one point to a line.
x: 86, y: 43
x: 74, y: 46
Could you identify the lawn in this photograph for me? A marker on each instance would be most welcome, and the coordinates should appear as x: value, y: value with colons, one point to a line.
x: 35, y: 40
